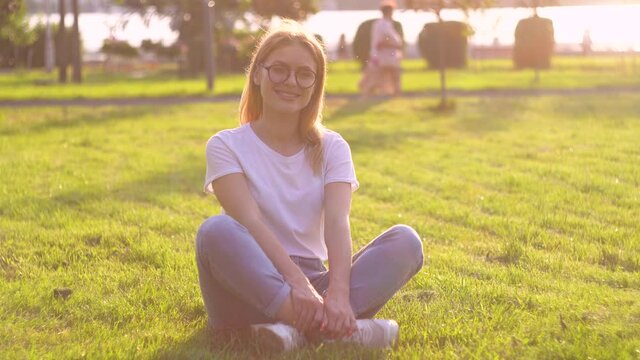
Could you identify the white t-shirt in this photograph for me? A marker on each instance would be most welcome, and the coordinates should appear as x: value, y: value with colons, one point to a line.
x: 285, y: 188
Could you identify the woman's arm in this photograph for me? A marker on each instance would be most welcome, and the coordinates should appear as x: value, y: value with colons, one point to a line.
x: 339, y: 318
x: 233, y: 194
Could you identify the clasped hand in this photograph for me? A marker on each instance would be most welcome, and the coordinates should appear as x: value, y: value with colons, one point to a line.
x: 331, y: 315
x: 339, y: 320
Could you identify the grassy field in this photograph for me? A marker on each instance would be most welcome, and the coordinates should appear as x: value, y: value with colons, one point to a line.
x: 567, y: 73
x: 528, y: 208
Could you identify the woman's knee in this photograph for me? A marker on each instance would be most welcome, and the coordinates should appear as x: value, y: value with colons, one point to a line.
x: 215, y: 232
x: 407, y: 243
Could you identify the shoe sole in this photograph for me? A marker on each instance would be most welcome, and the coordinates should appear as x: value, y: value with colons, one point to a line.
x: 396, y: 340
x: 268, y: 340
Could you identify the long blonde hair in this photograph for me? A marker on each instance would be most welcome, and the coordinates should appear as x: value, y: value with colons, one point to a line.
x: 311, y: 129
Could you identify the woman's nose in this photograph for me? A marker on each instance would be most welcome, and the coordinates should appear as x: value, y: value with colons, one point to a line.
x: 291, y: 79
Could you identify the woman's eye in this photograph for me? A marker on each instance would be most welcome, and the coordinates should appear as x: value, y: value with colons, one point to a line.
x: 279, y: 70
x: 306, y: 75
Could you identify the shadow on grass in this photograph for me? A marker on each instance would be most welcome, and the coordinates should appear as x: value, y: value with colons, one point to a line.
x: 63, y: 117
x: 361, y: 140
x: 481, y: 115
x: 206, y: 344
x: 356, y: 106
x: 183, y: 178
x: 469, y: 116
x: 361, y: 137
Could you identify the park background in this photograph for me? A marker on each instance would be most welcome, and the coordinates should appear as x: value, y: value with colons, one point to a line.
x: 523, y: 182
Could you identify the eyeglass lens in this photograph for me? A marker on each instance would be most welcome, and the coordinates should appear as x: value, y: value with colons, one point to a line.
x: 279, y: 73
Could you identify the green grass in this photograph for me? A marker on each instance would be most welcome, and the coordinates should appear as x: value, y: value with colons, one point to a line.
x: 567, y: 73
x: 528, y: 208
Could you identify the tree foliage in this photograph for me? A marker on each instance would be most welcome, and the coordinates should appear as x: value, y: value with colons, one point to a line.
x: 233, y: 20
x: 437, y: 6
x: 13, y: 25
x: 534, y: 43
x: 292, y: 9
x: 454, y: 34
x: 535, y: 4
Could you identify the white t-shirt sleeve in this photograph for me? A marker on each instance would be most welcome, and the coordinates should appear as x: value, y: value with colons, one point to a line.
x: 339, y: 164
x: 221, y: 161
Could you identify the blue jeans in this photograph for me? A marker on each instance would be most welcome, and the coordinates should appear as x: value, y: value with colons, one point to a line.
x: 240, y: 286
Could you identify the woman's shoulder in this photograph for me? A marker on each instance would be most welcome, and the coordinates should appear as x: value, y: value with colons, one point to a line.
x: 329, y: 137
x: 229, y: 136
x: 332, y: 140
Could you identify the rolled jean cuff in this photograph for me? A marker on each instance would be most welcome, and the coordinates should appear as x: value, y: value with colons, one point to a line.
x: 272, y: 309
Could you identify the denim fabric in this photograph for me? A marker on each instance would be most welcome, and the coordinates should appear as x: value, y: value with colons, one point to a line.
x: 240, y: 286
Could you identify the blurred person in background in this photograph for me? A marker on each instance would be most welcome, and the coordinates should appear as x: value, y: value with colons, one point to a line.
x: 383, y: 72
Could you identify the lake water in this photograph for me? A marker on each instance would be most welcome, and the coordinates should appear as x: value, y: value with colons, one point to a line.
x: 614, y: 28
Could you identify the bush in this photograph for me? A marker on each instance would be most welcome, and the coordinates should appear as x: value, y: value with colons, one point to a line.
x: 119, y: 48
x: 12, y: 55
x: 246, y: 42
x: 453, y: 36
x: 534, y: 42
x: 361, y: 45
x: 164, y: 52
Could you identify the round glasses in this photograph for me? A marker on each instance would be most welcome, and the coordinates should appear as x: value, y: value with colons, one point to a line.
x: 279, y: 73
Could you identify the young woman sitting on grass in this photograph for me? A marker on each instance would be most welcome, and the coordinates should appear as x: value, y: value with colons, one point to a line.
x: 285, y: 183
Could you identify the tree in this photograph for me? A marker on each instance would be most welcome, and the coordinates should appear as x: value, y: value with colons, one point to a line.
x: 62, y: 38
x: 291, y: 9
x: 13, y: 25
x: 534, y: 39
x: 436, y: 6
x: 76, y: 51
x: 535, y: 4
x: 187, y: 18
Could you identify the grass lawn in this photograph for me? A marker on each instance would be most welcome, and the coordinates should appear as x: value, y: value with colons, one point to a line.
x: 528, y: 208
x: 567, y: 73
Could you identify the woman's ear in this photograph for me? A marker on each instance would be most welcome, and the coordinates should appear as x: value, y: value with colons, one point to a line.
x: 255, y: 78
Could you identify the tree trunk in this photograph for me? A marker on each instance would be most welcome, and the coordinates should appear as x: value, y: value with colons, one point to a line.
x: 75, y: 49
x: 62, y: 45
x: 441, y: 64
x: 29, y: 57
x: 208, y: 43
x: 49, y: 52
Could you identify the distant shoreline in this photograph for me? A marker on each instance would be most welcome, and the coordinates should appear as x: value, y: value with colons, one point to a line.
x: 492, y: 27
x: 373, y: 4
x: 36, y: 7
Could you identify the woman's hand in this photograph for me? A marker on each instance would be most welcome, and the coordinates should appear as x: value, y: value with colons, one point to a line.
x: 339, y: 320
x: 307, y: 306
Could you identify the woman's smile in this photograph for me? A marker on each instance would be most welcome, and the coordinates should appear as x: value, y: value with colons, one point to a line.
x: 287, y: 94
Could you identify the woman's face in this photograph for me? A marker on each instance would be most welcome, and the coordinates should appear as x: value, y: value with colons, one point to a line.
x: 287, y: 78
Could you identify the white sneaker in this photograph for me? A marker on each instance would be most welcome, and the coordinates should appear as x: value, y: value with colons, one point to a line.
x: 277, y: 337
x: 375, y: 333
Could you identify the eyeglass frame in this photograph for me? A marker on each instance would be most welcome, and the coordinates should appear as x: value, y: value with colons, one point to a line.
x: 295, y: 74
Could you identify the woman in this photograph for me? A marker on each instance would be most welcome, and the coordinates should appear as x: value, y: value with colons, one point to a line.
x: 386, y: 49
x: 285, y: 183
x: 382, y: 75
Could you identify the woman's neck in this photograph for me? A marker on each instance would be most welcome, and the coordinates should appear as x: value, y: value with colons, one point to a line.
x: 279, y: 131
